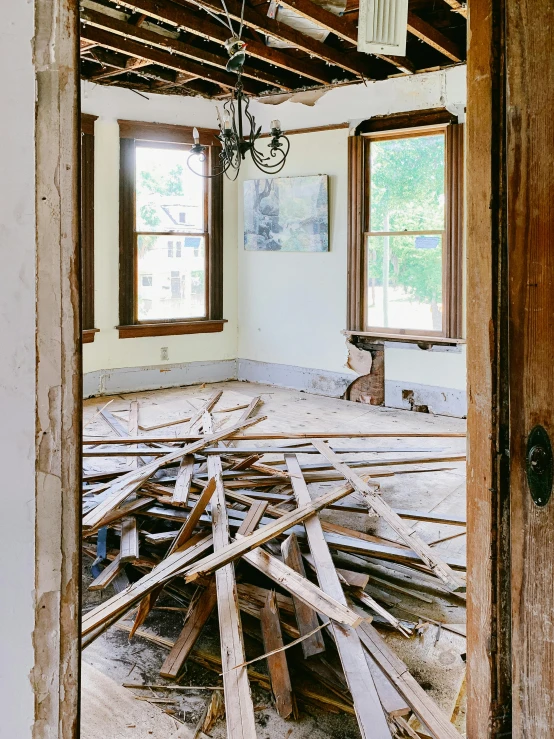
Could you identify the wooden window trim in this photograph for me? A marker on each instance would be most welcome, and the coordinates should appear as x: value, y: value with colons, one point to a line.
x: 133, y: 134
x: 87, y: 227
x: 387, y: 127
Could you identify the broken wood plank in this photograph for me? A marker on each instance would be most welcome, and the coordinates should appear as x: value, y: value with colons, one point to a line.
x: 129, y: 539
x: 129, y: 482
x: 368, y: 601
x: 410, y: 537
x: 107, y: 575
x: 306, y: 617
x: 206, y: 407
x: 189, y: 418
x: 239, y: 709
x: 199, y: 611
x: 297, y: 585
x: 369, y: 712
x: 184, y: 478
x: 420, y: 702
x: 269, y: 435
x: 240, y: 546
x: 277, y: 662
x: 165, y: 570
x: 253, y: 517
x: 194, y: 516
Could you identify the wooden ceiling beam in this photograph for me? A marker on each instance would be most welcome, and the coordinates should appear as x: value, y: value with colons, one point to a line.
x: 130, y: 67
x: 355, y: 63
x: 143, y: 35
x: 183, y: 17
x: 458, y: 7
x: 342, y: 28
x: 431, y: 36
x: 156, y: 56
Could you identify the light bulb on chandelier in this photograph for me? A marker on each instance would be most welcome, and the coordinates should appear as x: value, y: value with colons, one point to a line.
x: 238, y: 133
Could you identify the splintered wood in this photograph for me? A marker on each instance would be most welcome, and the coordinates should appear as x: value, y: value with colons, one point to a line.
x: 221, y: 521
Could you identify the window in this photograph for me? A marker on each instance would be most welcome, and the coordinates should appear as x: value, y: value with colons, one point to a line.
x: 409, y: 242
x: 163, y: 206
x: 87, y: 227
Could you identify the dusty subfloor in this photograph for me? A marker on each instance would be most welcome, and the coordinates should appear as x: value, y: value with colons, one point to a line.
x: 433, y: 657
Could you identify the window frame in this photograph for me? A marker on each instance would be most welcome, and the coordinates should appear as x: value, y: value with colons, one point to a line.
x: 88, y: 331
x: 137, y: 134
x: 406, y: 125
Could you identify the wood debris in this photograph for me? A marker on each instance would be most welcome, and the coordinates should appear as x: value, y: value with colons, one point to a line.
x: 207, y: 519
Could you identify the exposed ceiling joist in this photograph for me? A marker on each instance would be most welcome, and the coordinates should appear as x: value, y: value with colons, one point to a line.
x: 355, y: 63
x: 132, y: 65
x: 342, y: 27
x: 165, y: 59
x: 143, y: 35
x: 433, y: 37
x: 182, y: 18
x: 458, y: 7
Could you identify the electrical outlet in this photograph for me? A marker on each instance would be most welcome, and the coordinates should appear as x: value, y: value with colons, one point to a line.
x: 164, y: 354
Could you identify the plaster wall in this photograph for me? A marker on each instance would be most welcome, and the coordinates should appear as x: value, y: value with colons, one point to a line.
x: 17, y: 368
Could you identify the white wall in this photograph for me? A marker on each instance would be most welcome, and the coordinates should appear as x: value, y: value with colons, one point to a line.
x: 109, y: 351
x: 292, y: 307
x: 17, y: 368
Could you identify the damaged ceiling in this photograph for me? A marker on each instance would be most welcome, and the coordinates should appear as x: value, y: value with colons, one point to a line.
x: 177, y: 46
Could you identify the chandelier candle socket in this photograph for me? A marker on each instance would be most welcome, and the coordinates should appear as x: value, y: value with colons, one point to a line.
x: 238, y: 135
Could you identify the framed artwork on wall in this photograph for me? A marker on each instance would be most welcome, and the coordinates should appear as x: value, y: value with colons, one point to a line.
x: 287, y: 214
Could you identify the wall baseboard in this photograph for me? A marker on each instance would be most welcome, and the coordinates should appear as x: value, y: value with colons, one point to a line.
x: 404, y: 395
x: 135, y: 379
x: 441, y: 401
x: 318, y: 382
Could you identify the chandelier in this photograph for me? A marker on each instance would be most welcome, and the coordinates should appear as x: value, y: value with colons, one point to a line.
x: 238, y: 132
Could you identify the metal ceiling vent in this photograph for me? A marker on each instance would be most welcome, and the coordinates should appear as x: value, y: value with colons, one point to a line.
x: 382, y: 27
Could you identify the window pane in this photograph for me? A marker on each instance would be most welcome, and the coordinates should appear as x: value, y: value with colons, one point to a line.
x: 404, y: 287
x: 407, y: 184
x: 171, y: 285
x: 169, y: 196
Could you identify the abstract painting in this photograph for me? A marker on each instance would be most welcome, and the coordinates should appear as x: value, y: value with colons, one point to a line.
x: 287, y: 214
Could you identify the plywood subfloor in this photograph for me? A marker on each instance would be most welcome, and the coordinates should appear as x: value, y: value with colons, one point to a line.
x: 436, y: 663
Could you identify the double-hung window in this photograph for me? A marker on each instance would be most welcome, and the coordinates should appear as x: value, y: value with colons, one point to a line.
x: 166, y: 287
x: 410, y: 237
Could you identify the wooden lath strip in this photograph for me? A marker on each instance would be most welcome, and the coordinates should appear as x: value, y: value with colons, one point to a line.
x: 246, y: 544
x: 131, y: 481
x: 371, y: 719
x: 239, y: 709
x: 410, y: 537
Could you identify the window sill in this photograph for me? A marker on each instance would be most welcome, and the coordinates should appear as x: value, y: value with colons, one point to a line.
x: 88, y: 334
x: 170, y: 328
x: 407, y: 338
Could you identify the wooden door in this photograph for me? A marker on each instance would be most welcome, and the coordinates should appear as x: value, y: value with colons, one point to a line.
x: 510, y: 234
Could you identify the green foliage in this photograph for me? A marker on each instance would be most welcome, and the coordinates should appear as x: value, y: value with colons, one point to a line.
x: 407, y: 194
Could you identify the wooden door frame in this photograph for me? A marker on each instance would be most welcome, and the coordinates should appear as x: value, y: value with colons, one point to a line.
x: 58, y: 379
x: 56, y: 634
x: 489, y: 667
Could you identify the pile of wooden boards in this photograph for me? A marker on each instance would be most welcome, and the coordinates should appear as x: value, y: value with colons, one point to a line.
x: 208, y: 520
